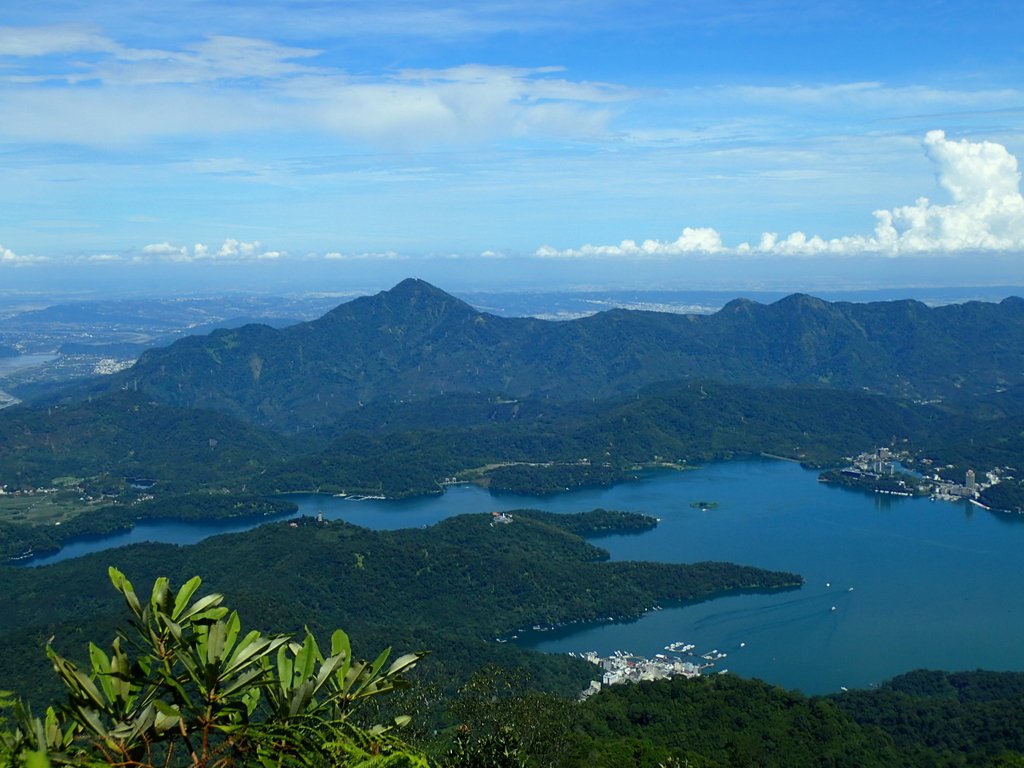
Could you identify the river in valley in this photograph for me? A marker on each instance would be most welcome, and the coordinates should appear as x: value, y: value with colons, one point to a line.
x: 892, y: 584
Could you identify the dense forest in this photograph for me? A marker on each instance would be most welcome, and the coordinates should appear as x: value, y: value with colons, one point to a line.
x: 92, y: 453
x: 416, y: 341
x: 452, y: 588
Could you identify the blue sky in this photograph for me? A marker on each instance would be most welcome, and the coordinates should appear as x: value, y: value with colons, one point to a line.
x: 333, y: 145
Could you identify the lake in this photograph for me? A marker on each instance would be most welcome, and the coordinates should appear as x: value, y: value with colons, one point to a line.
x: 935, y: 584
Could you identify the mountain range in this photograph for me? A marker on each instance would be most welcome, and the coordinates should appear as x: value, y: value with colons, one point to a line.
x: 415, y: 341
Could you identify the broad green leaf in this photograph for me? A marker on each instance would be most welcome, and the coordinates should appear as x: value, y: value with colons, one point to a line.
x: 79, y: 683
x: 90, y: 718
x: 188, y: 589
x: 306, y: 659
x: 166, y: 716
x: 161, y: 597
x: 403, y: 663
x: 257, y: 648
x: 285, y: 669
x: 242, y: 682
x: 122, y: 585
x: 201, y: 607
x: 340, y: 646
x: 215, y: 637
x: 233, y: 626
x: 101, y: 670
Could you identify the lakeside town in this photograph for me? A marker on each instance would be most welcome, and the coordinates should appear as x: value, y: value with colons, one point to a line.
x: 882, y: 471
x: 624, y: 667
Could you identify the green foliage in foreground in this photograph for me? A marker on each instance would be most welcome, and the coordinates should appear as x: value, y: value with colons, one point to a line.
x: 186, y: 687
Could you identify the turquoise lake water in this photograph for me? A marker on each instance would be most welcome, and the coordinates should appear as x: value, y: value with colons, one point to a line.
x: 935, y: 584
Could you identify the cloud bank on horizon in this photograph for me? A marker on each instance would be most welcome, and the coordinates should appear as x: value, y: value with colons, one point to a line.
x: 986, y: 214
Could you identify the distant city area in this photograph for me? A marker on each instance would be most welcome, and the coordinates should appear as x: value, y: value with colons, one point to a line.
x: 882, y: 471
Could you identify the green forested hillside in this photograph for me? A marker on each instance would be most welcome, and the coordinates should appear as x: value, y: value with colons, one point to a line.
x: 945, y: 718
x: 725, y: 721
x: 549, y: 449
x: 452, y: 588
x: 127, y: 434
x: 415, y: 341
x: 93, y: 451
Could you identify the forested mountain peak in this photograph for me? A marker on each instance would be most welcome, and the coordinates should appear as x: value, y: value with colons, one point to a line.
x: 415, y: 342
x: 409, y: 299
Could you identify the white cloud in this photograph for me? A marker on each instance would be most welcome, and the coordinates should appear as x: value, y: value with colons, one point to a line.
x: 9, y: 257
x: 701, y: 240
x: 381, y: 255
x: 453, y: 106
x: 986, y: 214
x: 164, y: 249
x: 216, y: 58
x: 231, y: 251
x: 52, y: 39
x: 96, y: 91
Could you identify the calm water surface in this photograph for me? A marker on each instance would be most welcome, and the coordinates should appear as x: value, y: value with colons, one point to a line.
x: 934, y: 584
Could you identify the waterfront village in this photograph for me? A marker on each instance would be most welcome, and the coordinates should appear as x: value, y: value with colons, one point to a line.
x: 624, y: 667
x: 882, y: 472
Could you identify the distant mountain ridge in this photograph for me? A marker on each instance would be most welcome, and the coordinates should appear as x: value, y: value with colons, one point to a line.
x: 416, y: 341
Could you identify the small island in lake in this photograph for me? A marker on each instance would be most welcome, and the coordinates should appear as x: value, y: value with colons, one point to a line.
x: 704, y: 505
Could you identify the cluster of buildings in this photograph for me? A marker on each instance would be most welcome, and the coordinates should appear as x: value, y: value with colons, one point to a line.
x: 622, y: 667
x: 882, y: 465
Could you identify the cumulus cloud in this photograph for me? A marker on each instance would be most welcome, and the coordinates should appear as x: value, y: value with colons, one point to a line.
x: 235, y: 250
x: 701, y: 240
x: 986, y: 214
x: 230, y: 251
x: 10, y: 258
x: 165, y: 249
